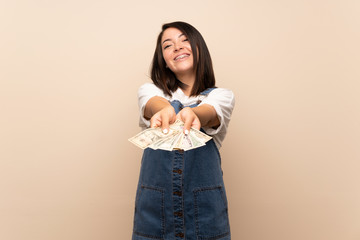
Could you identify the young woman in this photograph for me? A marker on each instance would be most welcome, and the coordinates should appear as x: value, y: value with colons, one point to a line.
x: 181, y: 194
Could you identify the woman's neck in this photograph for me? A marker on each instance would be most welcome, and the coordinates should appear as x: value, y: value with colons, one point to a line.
x: 188, y: 83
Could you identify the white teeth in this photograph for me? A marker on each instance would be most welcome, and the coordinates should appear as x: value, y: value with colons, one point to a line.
x: 181, y: 56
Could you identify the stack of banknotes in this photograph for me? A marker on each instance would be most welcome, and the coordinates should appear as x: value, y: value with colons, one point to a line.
x: 175, y: 139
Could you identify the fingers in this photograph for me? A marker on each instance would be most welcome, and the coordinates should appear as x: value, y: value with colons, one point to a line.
x: 190, y: 120
x: 167, y: 116
x: 163, y: 119
x: 191, y: 123
x: 154, y: 122
x: 187, y: 125
x: 165, y: 123
x: 196, y: 124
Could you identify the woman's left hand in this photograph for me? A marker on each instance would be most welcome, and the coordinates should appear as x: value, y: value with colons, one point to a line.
x: 189, y: 118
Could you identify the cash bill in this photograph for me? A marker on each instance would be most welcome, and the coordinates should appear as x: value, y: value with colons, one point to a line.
x: 175, y: 139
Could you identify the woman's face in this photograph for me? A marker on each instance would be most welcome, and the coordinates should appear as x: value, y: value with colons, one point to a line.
x: 177, y: 52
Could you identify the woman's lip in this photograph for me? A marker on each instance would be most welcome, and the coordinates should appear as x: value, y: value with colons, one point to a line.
x: 183, y: 54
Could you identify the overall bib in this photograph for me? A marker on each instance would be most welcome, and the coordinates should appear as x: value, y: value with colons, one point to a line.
x: 181, y: 194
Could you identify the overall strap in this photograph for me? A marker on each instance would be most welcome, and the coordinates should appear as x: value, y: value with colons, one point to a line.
x: 177, y: 105
x: 203, y: 95
x: 207, y: 91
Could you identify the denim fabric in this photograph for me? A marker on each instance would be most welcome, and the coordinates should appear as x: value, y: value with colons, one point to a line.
x: 181, y: 195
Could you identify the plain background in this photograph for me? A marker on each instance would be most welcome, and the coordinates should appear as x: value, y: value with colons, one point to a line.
x: 69, y: 74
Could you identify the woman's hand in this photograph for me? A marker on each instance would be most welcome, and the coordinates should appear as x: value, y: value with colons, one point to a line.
x: 163, y: 118
x: 189, y: 118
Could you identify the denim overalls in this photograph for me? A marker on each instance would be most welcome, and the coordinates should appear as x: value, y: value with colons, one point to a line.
x: 181, y: 194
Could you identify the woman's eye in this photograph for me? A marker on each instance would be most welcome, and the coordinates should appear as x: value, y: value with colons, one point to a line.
x: 186, y: 40
x: 167, y: 46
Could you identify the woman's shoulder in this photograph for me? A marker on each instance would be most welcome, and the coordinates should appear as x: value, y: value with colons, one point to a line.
x: 149, y: 88
x: 222, y: 92
x: 148, y: 85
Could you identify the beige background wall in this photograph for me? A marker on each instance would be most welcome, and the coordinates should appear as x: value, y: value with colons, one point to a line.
x: 69, y: 73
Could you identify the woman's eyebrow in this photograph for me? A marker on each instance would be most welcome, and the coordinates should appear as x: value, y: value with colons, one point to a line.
x: 166, y: 40
x: 170, y: 39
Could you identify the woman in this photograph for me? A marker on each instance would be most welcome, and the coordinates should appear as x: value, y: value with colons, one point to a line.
x: 181, y: 194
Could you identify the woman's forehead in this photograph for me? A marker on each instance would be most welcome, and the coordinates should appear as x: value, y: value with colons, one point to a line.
x: 171, y: 33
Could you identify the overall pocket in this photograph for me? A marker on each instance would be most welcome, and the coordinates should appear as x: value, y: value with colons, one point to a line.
x: 211, y: 213
x: 149, y: 218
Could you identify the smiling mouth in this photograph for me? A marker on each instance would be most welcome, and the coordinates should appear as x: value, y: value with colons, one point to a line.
x: 181, y: 56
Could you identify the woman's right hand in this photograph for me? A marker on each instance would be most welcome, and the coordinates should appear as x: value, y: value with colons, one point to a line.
x: 163, y: 118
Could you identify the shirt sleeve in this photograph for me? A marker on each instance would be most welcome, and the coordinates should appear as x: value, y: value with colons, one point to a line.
x: 145, y: 92
x: 223, y: 101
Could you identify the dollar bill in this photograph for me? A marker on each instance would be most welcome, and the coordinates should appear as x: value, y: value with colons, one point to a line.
x: 147, y: 137
x: 175, y: 139
x: 167, y: 143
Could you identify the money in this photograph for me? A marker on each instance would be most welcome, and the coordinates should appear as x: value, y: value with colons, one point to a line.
x: 175, y: 139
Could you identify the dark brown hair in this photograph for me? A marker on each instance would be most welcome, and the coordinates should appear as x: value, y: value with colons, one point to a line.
x: 166, y: 80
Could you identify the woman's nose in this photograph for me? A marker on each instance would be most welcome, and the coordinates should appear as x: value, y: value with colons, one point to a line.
x: 178, y: 47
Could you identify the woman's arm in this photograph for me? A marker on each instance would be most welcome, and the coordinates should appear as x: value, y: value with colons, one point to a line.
x: 197, y: 117
x: 214, y: 112
x: 154, y: 105
x: 207, y: 115
x: 160, y: 112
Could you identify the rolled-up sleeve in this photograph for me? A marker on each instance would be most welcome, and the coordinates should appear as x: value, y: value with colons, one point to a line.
x: 145, y: 92
x: 223, y: 101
